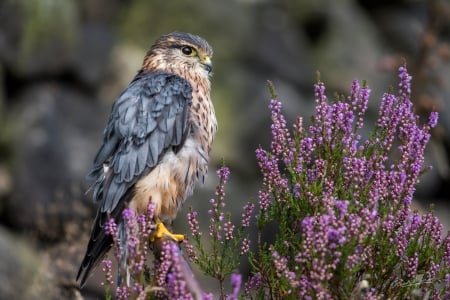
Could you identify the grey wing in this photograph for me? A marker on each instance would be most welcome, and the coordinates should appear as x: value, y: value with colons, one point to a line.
x: 149, y: 117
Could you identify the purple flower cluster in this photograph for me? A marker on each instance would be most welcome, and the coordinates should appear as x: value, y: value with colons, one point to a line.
x: 343, y: 205
x: 216, y: 225
x: 170, y: 273
x: 247, y: 214
x: 111, y: 229
x: 281, y: 140
x: 107, y: 269
x: 130, y: 244
x: 236, y: 280
x: 193, y: 223
x: 123, y: 293
x: 254, y: 283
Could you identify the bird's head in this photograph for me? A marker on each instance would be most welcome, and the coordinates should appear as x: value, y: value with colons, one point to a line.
x: 180, y: 52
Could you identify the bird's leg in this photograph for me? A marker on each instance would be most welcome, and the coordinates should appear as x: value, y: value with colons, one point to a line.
x: 162, y: 231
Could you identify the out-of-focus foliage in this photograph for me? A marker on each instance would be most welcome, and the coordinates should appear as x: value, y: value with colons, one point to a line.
x: 46, y: 21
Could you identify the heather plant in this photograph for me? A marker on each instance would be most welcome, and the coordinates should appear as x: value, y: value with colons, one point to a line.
x: 218, y: 255
x: 338, y: 207
x: 342, y: 205
x: 168, y: 276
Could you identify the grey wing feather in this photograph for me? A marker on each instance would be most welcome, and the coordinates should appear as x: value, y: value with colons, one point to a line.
x: 148, y: 118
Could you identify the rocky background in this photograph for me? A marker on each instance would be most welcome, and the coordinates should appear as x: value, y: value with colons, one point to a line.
x: 62, y: 63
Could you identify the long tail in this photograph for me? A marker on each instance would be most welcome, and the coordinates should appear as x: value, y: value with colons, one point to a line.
x: 99, y: 244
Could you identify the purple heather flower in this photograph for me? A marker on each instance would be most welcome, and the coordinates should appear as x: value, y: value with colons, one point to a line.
x: 433, y: 119
x: 216, y: 213
x: 193, y: 223
x: 306, y: 148
x: 279, y: 263
x: 223, y: 173
x: 247, y: 214
x: 208, y: 296
x: 430, y: 274
x: 163, y: 268
x: 433, y: 227
x: 298, y: 125
x: 192, y: 255
x: 336, y: 236
x: 148, y: 217
x: 272, y: 177
x: 252, y: 284
x: 447, y: 286
x: 281, y: 140
x: 128, y: 216
x: 245, y: 247
x: 137, y: 288
x: 414, y: 225
x: 176, y: 287
x: 319, y: 93
x: 405, y: 82
x: 144, y: 225
x: 151, y: 210
x: 401, y: 242
x: 296, y: 190
x: 354, y: 94
x: 388, y: 119
x: 236, y: 280
x: 362, y: 105
x: 342, y: 206
x: 264, y: 201
x: 111, y: 227
x: 446, y: 247
x: 342, y: 119
x: 107, y: 269
x: 123, y: 292
x: 411, y: 266
x: 228, y: 228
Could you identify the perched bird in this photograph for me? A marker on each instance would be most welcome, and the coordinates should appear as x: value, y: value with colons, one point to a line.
x: 157, y: 141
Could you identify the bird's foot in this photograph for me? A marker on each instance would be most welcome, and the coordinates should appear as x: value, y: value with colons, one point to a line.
x: 162, y: 231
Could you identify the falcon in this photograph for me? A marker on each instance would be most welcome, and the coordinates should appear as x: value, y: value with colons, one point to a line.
x: 157, y: 141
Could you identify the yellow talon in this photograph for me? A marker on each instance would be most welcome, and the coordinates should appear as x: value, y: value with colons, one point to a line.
x: 161, y: 231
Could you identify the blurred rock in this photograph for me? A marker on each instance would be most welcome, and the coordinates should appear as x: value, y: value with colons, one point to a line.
x: 36, y: 41
x: 93, y: 53
x: 22, y: 275
x: 5, y: 182
x: 57, y: 134
x: 28, y: 273
x: 9, y: 32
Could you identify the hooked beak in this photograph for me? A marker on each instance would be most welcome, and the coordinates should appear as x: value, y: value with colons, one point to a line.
x: 207, y: 63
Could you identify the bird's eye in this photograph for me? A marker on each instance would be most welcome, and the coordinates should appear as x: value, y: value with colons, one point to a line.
x: 189, y: 51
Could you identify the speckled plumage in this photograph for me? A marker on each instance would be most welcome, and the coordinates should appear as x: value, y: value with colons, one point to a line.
x: 157, y: 140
